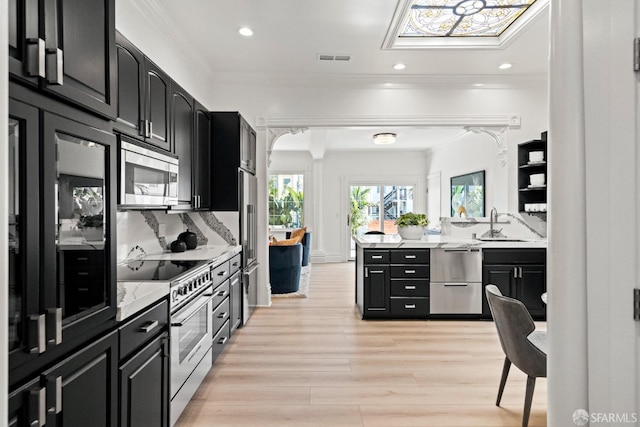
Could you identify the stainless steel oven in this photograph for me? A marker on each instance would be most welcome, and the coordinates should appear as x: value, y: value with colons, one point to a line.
x: 148, y: 179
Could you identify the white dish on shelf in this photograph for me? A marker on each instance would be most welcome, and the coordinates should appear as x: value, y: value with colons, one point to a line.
x: 541, y: 162
x: 536, y: 186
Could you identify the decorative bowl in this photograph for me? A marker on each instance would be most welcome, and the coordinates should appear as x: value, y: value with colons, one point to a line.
x: 412, y: 232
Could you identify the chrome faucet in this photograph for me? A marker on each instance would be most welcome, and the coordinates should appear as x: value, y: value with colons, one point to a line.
x: 493, y: 212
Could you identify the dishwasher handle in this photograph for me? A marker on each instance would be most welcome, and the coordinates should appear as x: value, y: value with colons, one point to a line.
x: 456, y: 284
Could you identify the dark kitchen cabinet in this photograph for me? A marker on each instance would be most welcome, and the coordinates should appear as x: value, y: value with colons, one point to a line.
x: 518, y: 273
x: 27, y: 405
x: 144, y: 96
x: 67, y: 47
x: 233, y: 148
x: 202, y: 157
x: 182, y: 136
x: 532, y: 198
x: 144, y: 368
x: 376, y: 289
x: 84, y: 386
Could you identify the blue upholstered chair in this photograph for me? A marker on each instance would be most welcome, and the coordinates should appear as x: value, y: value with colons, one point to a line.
x: 306, y: 246
x: 285, y: 264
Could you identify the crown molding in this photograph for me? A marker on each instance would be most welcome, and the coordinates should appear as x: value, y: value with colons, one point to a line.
x: 485, y: 121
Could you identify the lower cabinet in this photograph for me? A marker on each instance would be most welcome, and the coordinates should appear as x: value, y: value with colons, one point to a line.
x: 518, y: 273
x: 395, y: 283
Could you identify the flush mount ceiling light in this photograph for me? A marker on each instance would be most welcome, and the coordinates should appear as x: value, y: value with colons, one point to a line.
x: 399, y: 66
x: 246, y: 31
x: 505, y: 66
x: 384, y: 138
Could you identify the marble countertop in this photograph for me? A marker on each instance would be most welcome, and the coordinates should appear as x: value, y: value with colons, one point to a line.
x: 135, y: 296
x: 394, y: 241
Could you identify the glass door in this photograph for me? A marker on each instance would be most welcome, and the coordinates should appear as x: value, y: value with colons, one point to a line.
x: 375, y: 208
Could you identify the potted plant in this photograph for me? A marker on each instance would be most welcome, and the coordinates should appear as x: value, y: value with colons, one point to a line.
x: 91, y: 227
x: 411, y: 226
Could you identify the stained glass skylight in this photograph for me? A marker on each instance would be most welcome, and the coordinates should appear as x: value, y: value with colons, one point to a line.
x: 462, y: 18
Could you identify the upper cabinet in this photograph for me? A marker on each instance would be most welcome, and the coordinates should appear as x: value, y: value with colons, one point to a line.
x: 182, y: 135
x: 233, y: 147
x: 143, y: 96
x: 67, y: 47
x: 532, y: 175
x: 202, y: 157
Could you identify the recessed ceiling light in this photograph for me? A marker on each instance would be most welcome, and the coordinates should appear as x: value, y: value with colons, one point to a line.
x: 246, y: 31
x: 384, y: 138
x: 399, y: 67
x: 478, y: 84
x: 505, y: 66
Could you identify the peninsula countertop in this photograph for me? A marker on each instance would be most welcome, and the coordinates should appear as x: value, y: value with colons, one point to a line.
x: 134, y: 296
x: 394, y: 241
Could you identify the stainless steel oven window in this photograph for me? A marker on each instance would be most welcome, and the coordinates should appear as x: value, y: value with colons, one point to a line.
x: 191, y: 333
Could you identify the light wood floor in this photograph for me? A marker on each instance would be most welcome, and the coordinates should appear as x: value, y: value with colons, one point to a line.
x: 314, y: 362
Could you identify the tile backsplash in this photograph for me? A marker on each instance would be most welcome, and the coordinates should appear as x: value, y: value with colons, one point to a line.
x: 514, y: 225
x: 153, y: 231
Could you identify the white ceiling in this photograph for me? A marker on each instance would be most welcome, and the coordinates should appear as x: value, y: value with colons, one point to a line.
x: 289, y: 34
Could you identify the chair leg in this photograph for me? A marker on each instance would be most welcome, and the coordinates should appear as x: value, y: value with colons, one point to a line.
x: 528, y: 397
x: 503, y: 380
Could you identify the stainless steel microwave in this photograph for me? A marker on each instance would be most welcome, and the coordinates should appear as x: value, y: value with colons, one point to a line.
x: 148, y: 179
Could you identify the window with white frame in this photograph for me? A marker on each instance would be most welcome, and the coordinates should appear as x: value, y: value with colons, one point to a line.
x: 286, y: 200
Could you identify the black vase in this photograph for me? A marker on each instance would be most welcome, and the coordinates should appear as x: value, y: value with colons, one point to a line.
x: 178, y: 246
x: 189, y: 238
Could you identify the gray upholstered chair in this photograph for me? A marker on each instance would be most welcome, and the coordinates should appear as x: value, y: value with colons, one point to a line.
x: 522, y: 344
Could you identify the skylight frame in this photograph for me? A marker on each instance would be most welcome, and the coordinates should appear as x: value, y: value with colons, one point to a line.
x: 401, y: 17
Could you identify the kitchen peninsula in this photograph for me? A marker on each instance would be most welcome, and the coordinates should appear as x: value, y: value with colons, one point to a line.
x: 444, y: 277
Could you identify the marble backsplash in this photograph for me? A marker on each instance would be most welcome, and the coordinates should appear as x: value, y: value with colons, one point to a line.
x: 513, y: 225
x: 153, y: 231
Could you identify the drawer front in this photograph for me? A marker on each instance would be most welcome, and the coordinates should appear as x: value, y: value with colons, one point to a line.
x: 220, y: 293
x: 221, y: 273
x: 410, y: 307
x: 220, y: 340
x: 143, y: 328
x: 221, y: 314
x: 410, y: 272
x: 376, y: 257
x: 77, y: 274
x: 514, y: 256
x: 84, y: 258
x: 456, y: 298
x: 235, y: 263
x: 410, y: 256
x: 409, y: 288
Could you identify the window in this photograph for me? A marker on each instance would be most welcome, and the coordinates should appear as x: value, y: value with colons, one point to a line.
x: 467, y: 195
x: 286, y: 200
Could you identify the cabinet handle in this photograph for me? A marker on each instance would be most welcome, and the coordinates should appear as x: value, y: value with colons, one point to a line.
x: 222, y: 273
x: 410, y: 272
x: 58, y: 404
x: 366, y: 272
x: 37, y: 407
x: 223, y: 293
x: 54, y: 326
x: 150, y: 129
x: 409, y: 257
x: 515, y: 272
x: 377, y: 271
x: 37, y: 334
x: 149, y: 327
x: 222, y: 315
x: 36, y: 57
x: 376, y: 256
x: 520, y: 272
x: 410, y: 287
x: 82, y: 258
x: 54, y: 66
x: 222, y: 340
x: 410, y: 306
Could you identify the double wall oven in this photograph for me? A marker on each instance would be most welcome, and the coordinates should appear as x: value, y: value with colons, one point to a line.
x: 191, y: 307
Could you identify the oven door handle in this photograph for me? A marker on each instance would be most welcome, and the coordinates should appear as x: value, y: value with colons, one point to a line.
x: 191, y: 312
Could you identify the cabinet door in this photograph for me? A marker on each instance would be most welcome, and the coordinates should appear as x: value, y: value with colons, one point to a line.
x: 376, y: 289
x: 500, y: 275
x: 26, y: 321
x: 157, y: 101
x: 182, y: 136
x: 81, y: 53
x: 236, y: 301
x: 144, y: 386
x: 27, y: 405
x: 84, y: 388
x: 26, y: 46
x: 247, y: 146
x: 532, y: 283
x: 78, y: 208
x: 202, y: 157
x: 130, y: 82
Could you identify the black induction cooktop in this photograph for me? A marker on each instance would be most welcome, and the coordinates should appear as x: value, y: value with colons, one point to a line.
x: 149, y: 269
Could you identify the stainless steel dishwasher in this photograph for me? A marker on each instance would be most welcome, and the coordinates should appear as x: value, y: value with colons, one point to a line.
x: 456, y: 281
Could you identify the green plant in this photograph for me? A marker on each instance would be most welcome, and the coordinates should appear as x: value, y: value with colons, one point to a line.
x: 359, y: 198
x: 89, y: 221
x: 285, y: 209
x: 411, y: 218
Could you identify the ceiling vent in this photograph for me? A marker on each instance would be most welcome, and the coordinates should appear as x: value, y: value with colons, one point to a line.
x: 342, y: 58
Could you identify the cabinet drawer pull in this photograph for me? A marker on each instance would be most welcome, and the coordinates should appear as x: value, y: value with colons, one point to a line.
x: 222, y: 315
x: 376, y: 256
x: 409, y: 257
x: 222, y: 340
x: 376, y: 271
x: 222, y: 273
x: 82, y: 258
x: 222, y: 294
x: 410, y: 272
x: 149, y: 327
x: 83, y: 273
x: 409, y: 287
x: 410, y: 306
